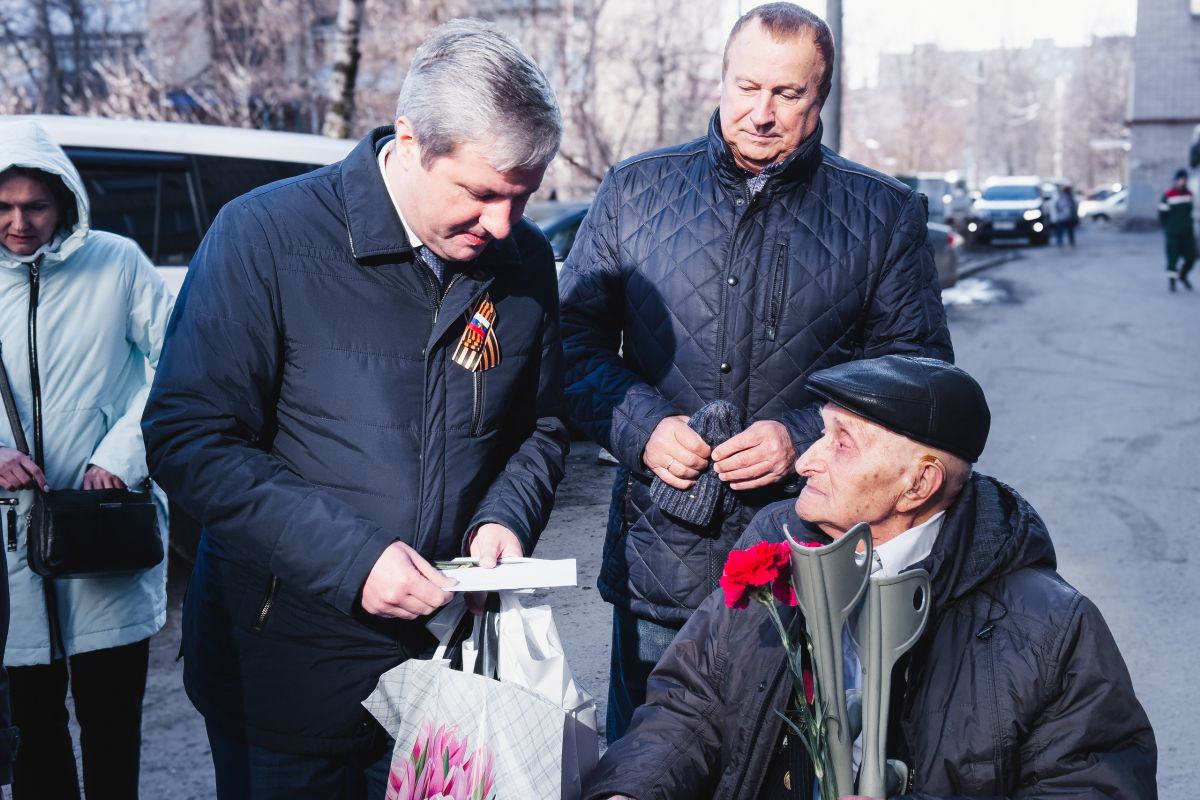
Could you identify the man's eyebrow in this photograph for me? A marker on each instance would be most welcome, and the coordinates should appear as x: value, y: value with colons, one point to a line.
x: 852, y: 427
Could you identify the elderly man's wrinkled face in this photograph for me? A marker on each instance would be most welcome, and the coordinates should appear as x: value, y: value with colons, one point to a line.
x: 856, y: 472
x: 769, y: 102
x: 28, y: 214
x: 460, y: 202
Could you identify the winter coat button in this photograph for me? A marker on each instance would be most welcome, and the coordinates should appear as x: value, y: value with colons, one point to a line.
x: 739, y: 201
x: 725, y: 367
x: 731, y: 280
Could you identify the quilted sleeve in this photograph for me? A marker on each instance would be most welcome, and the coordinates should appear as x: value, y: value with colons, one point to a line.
x: 605, y: 399
x: 122, y: 450
x: 905, y: 314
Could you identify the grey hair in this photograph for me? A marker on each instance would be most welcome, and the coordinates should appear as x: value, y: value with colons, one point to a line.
x: 784, y: 22
x: 468, y: 82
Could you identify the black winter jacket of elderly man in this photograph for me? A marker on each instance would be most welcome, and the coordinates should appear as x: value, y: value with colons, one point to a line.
x: 1015, y: 690
x: 683, y: 288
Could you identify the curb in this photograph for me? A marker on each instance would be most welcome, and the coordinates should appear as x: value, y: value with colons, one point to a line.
x: 985, y: 262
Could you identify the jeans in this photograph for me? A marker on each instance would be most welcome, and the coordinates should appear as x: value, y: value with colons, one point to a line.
x: 107, y: 687
x: 1064, y: 227
x: 248, y: 772
x: 637, y: 645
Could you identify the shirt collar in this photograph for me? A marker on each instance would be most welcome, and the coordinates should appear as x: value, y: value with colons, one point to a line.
x: 384, y: 152
x: 910, y: 547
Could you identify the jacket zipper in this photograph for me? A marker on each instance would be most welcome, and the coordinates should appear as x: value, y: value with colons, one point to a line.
x: 34, y: 374
x: 722, y: 327
x: 477, y: 414
x: 437, y: 299
x: 775, y: 298
x: 11, y: 521
x: 759, y: 720
x: 268, y: 601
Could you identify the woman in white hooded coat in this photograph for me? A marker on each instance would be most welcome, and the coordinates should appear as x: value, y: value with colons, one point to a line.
x: 101, y: 316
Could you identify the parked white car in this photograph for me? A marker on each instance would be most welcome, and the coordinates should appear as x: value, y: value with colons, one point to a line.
x: 1112, y: 207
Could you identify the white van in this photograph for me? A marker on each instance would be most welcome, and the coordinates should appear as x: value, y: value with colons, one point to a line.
x: 162, y: 183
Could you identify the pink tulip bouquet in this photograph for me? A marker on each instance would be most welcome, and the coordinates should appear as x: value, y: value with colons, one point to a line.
x: 441, y: 767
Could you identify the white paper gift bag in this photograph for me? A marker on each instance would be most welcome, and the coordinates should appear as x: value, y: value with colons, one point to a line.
x: 470, y: 737
x: 530, y: 654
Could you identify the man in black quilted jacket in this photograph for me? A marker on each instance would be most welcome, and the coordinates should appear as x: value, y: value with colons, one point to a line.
x: 729, y: 268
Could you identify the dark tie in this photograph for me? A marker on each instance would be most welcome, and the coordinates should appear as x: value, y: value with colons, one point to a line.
x: 435, y: 264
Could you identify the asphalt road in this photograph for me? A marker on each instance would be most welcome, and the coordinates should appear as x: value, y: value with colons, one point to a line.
x: 1092, y: 372
x: 1093, y: 377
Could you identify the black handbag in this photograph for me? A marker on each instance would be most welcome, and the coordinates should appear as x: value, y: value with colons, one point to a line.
x: 75, y: 533
x: 82, y: 533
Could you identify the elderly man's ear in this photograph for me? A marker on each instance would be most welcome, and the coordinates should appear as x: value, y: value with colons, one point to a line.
x: 928, y: 481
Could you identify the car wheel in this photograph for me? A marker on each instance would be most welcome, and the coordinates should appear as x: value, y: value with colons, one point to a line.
x: 1042, y: 241
x: 1100, y: 217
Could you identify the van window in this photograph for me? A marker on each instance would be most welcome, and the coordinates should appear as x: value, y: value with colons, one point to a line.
x: 149, y: 197
x: 222, y: 179
x: 166, y: 201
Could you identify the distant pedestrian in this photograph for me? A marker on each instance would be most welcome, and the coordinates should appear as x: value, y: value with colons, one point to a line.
x: 1175, y: 214
x: 1064, y: 215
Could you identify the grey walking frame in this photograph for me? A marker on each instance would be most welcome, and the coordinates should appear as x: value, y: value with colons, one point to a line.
x: 891, y: 621
x: 830, y: 582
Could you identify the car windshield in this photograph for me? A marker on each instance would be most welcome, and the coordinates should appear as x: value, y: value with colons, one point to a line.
x: 1012, y: 193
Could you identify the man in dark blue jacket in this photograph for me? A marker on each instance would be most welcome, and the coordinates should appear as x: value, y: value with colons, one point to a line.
x: 729, y: 268
x: 363, y: 375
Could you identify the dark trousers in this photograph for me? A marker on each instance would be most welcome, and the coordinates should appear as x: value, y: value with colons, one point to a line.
x: 637, y: 645
x: 1061, y: 228
x: 249, y: 772
x: 107, y: 687
x: 1181, y: 255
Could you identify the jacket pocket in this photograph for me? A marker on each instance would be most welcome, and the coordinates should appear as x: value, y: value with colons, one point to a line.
x: 264, y: 609
x: 774, y: 303
x: 477, y: 407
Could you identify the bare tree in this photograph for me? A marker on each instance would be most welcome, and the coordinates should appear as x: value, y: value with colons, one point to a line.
x: 1095, y: 109
x: 340, y: 116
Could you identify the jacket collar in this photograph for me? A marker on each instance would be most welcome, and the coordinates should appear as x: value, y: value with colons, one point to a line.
x: 988, y: 531
x: 376, y: 233
x: 797, y: 167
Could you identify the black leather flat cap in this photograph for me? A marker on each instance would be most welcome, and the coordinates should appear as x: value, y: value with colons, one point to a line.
x: 929, y: 401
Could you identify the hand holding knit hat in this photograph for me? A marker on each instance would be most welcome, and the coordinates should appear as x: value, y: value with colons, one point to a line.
x: 714, y: 422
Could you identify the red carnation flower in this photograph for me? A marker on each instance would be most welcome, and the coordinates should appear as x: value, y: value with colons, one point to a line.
x: 766, y: 565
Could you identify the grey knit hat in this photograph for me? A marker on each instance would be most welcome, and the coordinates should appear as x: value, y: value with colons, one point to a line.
x: 715, y: 422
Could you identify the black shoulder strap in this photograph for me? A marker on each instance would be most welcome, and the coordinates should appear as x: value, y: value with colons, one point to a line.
x: 10, y: 406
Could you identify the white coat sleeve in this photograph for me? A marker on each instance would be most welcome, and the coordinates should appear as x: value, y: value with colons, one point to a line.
x: 122, y: 450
